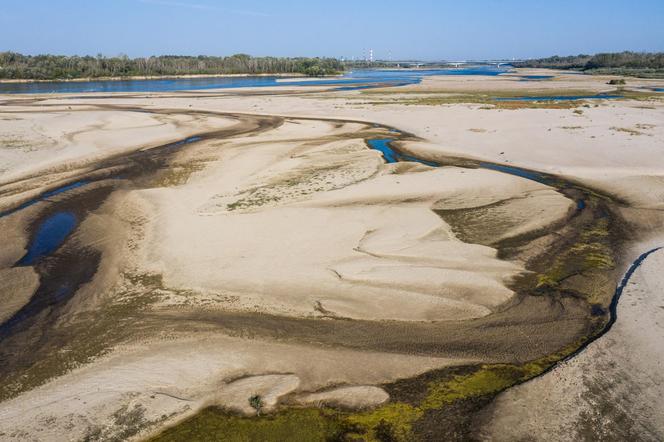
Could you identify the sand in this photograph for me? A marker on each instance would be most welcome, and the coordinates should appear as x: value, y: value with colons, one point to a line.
x: 169, y: 381
x: 614, y: 390
x: 380, y: 253
x: 295, y: 218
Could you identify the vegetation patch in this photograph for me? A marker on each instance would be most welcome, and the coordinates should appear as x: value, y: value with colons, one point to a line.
x: 589, y: 252
x: 301, y: 424
x: 637, y: 64
x: 51, y: 67
x: 490, y: 98
x: 627, y: 130
x: 178, y: 174
x: 396, y: 421
x: 17, y: 142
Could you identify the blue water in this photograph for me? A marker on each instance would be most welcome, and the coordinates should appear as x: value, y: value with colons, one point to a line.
x: 635, y: 265
x: 74, y: 185
x: 658, y: 89
x: 561, y: 98
x: 360, y: 77
x: 527, y: 174
x: 44, y: 196
x: 391, y: 156
x: 49, y: 237
x: 383, y: 145
x: 187, y: 141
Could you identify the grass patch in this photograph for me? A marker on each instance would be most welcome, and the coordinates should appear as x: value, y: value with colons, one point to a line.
x: 297, y: 424
x: 179, y: 173
x: 636, y: 95
x: 489, y: 102
x: 590, y: 252
x: 499, y: 93
x: 16, y: 142
x: 395, y: 421
x: 627, y: 130
x: 489, y: 98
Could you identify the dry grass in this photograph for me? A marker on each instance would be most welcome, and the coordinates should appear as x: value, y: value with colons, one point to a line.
x: 627, y: 130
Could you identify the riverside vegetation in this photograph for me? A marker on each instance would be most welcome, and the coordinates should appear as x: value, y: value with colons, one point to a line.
x: 16, y: 66
x: 620, y: 63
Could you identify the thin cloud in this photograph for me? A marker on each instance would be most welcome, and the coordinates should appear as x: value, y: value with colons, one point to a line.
x: 203, y: 7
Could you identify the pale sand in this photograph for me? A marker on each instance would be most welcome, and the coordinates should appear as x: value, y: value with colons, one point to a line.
x: 56, y: 136
x: 614, y: 390
x: 359, y: 397
x: 590, y: 145
x: 177, y: 377
x: 380, y: 252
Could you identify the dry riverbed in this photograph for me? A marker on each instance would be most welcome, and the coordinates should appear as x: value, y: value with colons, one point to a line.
x: 236, y: 245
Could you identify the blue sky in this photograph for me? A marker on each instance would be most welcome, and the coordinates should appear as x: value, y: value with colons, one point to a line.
x: 416, y: 29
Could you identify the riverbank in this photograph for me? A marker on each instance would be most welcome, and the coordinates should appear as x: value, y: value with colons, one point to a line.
x: 592, y: 395
x: 152, y: 77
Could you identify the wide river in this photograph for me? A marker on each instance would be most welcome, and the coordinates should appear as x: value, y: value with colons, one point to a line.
x: 359, y: 78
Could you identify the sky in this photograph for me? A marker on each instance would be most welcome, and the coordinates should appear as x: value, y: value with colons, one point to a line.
x: 414, y: 29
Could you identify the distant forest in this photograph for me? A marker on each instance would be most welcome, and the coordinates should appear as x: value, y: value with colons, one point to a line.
x: 638, y: 63
x: 52, y: 67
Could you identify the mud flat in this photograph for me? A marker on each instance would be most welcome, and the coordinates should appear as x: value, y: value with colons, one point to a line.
x: 265, y: 251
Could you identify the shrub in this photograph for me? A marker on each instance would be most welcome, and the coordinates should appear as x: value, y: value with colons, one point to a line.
x: 256, y: 403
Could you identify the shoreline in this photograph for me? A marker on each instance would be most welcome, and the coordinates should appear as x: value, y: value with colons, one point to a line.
x: 152, y: 77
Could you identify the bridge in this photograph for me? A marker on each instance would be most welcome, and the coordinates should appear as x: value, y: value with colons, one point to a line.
x: 446, y: 63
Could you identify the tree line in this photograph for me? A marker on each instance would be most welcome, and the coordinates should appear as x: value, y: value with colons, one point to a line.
x: 55, y: 67
x: 615, y: 60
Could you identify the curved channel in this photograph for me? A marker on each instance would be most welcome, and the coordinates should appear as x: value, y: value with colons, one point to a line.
x: 391, y: 154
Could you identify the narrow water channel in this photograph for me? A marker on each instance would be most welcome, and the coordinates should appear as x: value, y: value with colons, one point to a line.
x: 44, y: 196
x: 62, y: 266
x: 391, y: 155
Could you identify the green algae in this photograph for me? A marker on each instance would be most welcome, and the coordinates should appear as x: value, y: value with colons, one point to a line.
x: 395, y: 418
x: 590, y: 252
x: 297, y: 424
x: 394, y: 421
